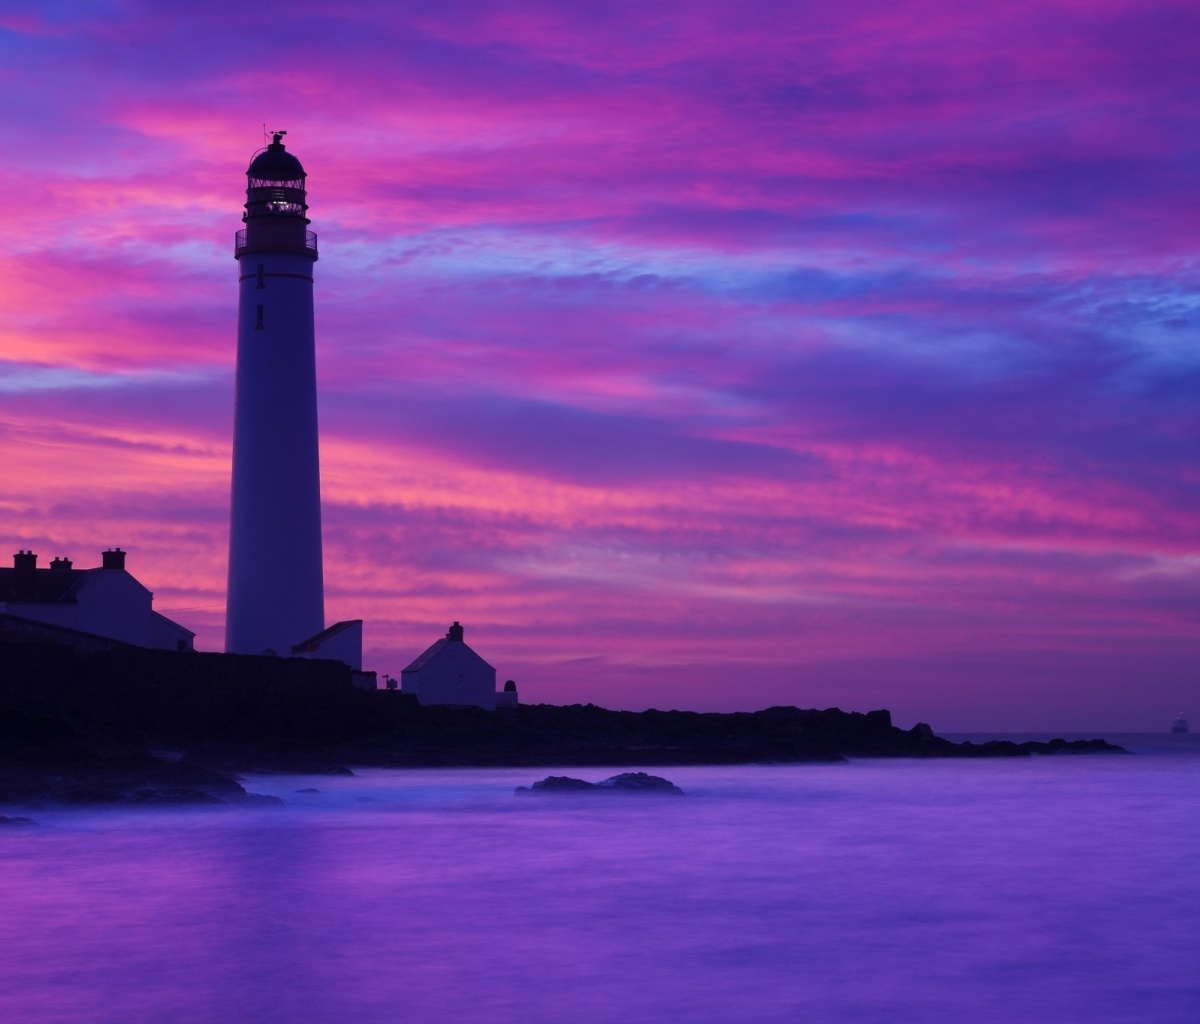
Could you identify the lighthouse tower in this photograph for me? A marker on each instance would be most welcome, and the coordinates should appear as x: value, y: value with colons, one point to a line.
x: 276, y: 591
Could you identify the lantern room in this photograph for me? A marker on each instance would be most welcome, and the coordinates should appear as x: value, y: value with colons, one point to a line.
x: 275, y: 204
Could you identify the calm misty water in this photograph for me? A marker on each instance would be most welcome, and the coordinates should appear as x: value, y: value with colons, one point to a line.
x: 1050, y: 889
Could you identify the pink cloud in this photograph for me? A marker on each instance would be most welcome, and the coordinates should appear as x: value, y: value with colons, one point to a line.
x: 695, y: 355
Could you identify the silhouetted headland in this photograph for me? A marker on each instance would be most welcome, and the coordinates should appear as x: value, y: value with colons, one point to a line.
x: 132, y: 726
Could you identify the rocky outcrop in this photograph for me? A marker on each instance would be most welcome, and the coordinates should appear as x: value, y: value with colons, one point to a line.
x: 627, y: 782
x: 558, y: 784
x: 639, y: 782
x: 1007, y: 748
x: 48, y: 761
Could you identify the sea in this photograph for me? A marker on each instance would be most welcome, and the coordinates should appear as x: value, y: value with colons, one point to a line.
x: 1018, y: 890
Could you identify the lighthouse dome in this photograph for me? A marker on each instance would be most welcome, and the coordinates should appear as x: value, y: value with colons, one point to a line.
x: 275, y: 205
x: 275, y: 164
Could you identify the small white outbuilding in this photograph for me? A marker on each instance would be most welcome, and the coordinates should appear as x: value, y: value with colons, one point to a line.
x: 449, y: 672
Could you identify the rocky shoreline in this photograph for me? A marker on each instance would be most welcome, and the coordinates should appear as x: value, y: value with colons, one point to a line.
x: 70, y: 758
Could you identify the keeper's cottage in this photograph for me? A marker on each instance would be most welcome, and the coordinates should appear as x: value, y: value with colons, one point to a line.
x: 79, y: 606
x: 449, y: 672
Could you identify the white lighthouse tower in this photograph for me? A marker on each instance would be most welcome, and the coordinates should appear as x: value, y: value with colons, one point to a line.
x: 276, y: 592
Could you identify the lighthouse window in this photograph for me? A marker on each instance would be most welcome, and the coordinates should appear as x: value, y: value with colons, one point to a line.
x: 262, y: 274
x: 258, y: 323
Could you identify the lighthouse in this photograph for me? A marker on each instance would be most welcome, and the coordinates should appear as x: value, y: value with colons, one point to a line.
x: 276, y: 591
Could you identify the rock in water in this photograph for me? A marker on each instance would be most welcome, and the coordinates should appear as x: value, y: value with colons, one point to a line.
x: 629, y: 782
x: 640, y: 782
x: 557, y: 784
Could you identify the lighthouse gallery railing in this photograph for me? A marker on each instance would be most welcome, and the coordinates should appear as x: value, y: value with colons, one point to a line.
x: 282, y: 237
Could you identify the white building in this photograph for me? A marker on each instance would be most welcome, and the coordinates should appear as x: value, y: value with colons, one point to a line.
x: 449, y: 672
x: 340, y: 642
x: 106, y: 602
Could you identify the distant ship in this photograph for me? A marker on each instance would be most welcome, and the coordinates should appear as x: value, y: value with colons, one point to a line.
x: 1180, y: 725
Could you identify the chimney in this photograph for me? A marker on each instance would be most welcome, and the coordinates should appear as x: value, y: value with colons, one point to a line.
x: 24, y: 575
x: 60, y: 563
x: 455, y: 633
x: 114, y: 559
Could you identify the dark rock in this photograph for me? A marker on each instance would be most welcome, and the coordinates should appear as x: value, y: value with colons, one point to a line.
x: 306, y: 789
x: 1030, y: 748
x: 640, y: 782
x: 15, y: 822
x: 557, y: 784
x: 1061, y: 746
x: 260, y: 800
x: 628, y: 782
x: 47, y: 761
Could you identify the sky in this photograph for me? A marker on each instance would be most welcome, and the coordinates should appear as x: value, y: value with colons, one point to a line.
x: 700, y: 355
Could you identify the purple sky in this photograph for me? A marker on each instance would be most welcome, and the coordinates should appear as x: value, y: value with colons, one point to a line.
x: 707, y: 355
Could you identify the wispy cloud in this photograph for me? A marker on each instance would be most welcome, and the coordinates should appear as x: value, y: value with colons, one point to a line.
x: 700, y: 354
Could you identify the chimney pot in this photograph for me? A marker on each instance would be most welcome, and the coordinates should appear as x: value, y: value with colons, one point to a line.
x: 113, y: 559
x: 25, y: 575
x: 455, y: 632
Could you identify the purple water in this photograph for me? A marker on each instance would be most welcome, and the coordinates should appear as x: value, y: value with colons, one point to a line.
x: 1048, y: 889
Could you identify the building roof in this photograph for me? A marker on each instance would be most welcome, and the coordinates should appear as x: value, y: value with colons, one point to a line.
x: 160, y: 617
x: 25, y: 584
x: 313, y: 643
x: 454, y: 636
x: 275, y: 164
x: 427, y: 655
x: 48, y: 584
